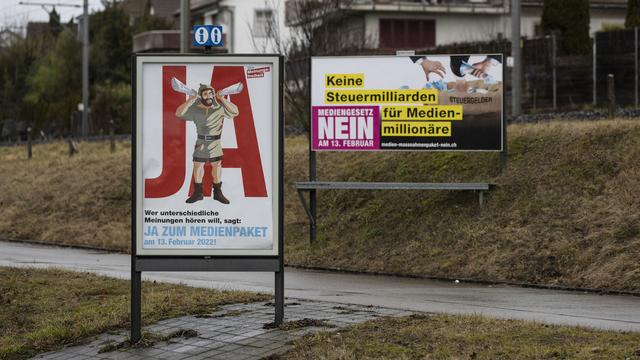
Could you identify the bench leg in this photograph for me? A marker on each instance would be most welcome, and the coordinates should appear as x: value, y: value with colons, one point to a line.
x: 314, y: 224
x: 481, y: 198
x: 311, y: 212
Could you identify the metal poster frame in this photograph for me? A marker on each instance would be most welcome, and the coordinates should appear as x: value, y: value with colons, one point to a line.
x: 215, y: 262
x: 313, y: 185
x: 503, y: 118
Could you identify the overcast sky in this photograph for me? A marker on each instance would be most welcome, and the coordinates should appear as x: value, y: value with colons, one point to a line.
x: 16, y: 16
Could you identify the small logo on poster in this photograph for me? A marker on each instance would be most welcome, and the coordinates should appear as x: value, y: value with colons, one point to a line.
x: 257, y: 72
x: 345, y: 127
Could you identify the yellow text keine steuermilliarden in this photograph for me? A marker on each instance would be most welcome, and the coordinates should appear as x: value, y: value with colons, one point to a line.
x: 404, y: 96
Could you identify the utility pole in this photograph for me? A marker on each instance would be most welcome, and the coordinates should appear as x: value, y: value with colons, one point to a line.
x: 185, y: 31
x: 516, y: 54
x: 85, y: 68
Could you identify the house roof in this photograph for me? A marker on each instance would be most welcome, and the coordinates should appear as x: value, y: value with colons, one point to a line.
x: 37, y: 29
x: 199, y: 4
x: 165, y: 8
x: 161, y: 8
x: 134, y: 8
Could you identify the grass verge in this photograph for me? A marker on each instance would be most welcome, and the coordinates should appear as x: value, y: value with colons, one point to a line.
x: 564, y: 212
x: 463, y: 337
x: 41, y: 310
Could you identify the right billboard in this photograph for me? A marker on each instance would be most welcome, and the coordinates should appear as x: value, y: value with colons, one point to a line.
x: 422, y: 102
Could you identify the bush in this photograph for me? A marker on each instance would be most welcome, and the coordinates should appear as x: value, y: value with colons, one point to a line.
x: 570, y: 20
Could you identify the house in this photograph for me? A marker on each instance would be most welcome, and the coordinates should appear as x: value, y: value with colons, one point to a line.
x: 604, y: 14
x: 38, y: 29
x: 249, y: 25
x: 419, y: 24
x: 8, y: 38
x: 252, y: 25
x: 139, y: 8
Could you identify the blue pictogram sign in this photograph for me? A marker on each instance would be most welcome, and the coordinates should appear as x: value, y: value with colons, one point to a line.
x: 207, y: 35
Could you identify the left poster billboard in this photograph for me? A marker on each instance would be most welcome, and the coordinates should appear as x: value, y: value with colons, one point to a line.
x: 207, y: 141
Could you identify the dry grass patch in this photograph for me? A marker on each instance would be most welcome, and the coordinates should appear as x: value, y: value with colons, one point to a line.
x: 80, y: 200
x: 565, y: 212
x: 41, y: 310
x: 464, y: 337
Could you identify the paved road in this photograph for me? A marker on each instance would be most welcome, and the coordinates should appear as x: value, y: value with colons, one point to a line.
x: 550, y: 306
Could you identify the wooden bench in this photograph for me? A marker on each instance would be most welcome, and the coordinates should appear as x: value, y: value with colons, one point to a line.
x: 312, y: 186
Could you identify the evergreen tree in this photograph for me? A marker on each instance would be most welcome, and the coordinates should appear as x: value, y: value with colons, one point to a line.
x: 633, y: 14
x: 16, y: 62
x: 111, y: 45
x: 54, y: 23
x: 568, y: 19
x: 55, y: 81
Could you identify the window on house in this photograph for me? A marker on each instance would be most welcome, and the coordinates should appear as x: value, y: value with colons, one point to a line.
x: 407, y: 33
x: 262, y: 23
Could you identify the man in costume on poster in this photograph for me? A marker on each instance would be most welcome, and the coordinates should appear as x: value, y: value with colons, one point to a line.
x: 207, y: 110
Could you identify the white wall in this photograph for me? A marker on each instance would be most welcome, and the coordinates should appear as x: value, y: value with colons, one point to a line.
x: 452, y: 28
x: 240, y: 31
x: 531, y: 17
x: 600, y: 17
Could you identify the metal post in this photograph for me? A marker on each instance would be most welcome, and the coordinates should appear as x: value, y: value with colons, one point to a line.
x: 136, y: 313
x: 503, y: 154
x: 112, y: 137
x: 554, y: 73
x: 73, y: 147
x: 29, y: 153
x: 612, y: 96
x: 85, y: 69
x: 313, y: 227
x: 595, y: 74
x: 279, y: 294
x: 635, y: 59
x: 185, y: 19
x: 516, y: 54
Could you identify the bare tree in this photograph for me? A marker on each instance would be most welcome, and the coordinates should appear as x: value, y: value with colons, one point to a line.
x: 317, y: 27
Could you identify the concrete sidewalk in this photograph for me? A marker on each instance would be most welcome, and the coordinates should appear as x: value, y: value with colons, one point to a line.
x: 236, y: 332
x: 549, y: 306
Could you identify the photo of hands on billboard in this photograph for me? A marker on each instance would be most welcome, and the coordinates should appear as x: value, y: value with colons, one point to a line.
x: 422, y: 102
x: 205, y: 125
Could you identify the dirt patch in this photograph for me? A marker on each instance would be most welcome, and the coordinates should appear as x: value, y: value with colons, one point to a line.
x: 225, y: 314
x: 148, y: 340
x: 298, y: 324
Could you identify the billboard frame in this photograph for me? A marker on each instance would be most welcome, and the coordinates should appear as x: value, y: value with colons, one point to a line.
x: 503, y: 120
x: 313, y: 184
x: 200, y: 262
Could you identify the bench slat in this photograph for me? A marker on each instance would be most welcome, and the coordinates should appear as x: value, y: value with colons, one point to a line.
x: 310, y: 185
